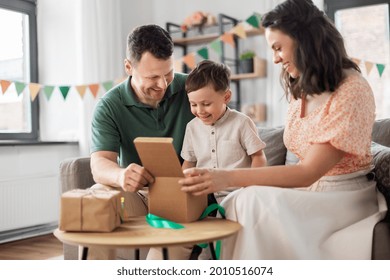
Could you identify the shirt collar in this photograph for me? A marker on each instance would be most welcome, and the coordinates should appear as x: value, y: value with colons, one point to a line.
x: 224, y: 117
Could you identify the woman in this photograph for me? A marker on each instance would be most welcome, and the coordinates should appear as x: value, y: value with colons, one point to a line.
x: 324, y: 207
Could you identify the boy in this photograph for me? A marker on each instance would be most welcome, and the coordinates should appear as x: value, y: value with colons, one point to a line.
x: 218, y: 137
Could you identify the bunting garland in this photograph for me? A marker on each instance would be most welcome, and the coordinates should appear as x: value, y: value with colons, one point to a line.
x: 238, y: 30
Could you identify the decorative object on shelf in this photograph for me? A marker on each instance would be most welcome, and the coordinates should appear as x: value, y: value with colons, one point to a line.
x: 198, y: 20
x: 245, y: 63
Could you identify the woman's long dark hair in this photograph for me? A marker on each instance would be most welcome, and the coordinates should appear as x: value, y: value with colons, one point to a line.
x: 320, y: 55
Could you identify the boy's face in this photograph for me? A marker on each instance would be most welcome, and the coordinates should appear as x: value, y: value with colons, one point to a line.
x: 209, y: 105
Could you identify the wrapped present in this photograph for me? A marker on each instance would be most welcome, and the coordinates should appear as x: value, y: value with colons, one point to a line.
x: 90, y: 210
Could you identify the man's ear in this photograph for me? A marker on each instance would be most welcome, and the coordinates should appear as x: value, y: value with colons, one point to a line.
x: 128, y: 67
x: 228, y: 96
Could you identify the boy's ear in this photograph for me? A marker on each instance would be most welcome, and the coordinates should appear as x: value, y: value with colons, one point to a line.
x: 228, y: 96
x: 128, y: 67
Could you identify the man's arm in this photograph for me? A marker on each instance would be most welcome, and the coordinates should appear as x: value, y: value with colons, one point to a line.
x: 106, y: 171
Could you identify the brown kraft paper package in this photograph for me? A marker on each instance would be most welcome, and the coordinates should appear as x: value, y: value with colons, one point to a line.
x: 90, y: 210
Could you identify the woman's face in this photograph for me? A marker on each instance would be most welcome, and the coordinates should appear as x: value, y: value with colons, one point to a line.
x: 283, y: 47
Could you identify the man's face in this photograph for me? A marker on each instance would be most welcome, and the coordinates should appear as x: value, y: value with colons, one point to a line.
x: 150, y: 78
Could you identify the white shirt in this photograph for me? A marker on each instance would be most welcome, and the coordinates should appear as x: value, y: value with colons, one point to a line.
x: 226, y: 144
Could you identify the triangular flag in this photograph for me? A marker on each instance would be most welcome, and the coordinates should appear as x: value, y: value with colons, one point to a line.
x: 19, y: 86
x: 228, y: 38
x: 108, y: 85
x: 381, y: 68
x: 94, y: 88
x: 368, y: 66
x: 189, y: 60
x: 48, y: 91
x: 258, y: 16
x: 216, y: 45
x: 253, y: 20
x: 34, y: 89
x: 239, y: 30
x: 81, y: 90
x: 204, y: 52
x: 356, y: 60
x: 4, y: 85
x: 64, y: 91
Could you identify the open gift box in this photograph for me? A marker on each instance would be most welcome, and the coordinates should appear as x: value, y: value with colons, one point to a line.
x: 166, y: 200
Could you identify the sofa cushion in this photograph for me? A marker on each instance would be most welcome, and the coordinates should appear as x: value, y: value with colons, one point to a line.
x: 381, y: 161
x: 381, y: 132
x: 275, y: 151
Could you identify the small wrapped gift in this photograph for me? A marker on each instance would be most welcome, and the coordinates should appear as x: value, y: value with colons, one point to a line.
x: 90, y: 210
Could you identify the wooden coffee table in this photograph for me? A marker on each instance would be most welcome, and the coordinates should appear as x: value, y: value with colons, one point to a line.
x: 136, y: 233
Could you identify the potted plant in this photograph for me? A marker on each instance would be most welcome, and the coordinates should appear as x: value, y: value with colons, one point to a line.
x: 245, y: 64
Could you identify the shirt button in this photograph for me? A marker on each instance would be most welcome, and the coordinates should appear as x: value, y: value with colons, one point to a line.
x: 212, y: 132
x: 213, y: 150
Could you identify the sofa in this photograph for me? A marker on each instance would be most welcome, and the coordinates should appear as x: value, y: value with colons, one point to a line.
x: 76, y: 173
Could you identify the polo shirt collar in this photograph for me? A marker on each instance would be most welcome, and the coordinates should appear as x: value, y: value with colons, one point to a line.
x: 128, y: 95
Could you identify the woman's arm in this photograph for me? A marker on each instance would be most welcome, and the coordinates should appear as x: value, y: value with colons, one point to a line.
x: 319, y: 160
x: 258, y: 159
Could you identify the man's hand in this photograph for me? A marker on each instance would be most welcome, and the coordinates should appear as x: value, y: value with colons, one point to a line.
x: 134, y: 177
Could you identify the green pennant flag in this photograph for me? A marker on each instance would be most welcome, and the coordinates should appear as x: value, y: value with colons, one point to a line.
x: 216, y: 45
x: 258, y: 16
x: 48, y: 91
x: 381, y: 68
x: 64, y: 90
x: 252, y: 20
x: 19, y: 86
x: 108, y: 85
x: 204, y: 52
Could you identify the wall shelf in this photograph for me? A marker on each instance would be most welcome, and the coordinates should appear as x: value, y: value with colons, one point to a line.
x: 185, y: 41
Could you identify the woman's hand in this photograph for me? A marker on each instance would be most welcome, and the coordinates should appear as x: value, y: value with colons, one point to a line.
x: 204, y: 181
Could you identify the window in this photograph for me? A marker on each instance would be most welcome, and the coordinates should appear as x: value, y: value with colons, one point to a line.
x: 364, y: 25
x: 18, y: 65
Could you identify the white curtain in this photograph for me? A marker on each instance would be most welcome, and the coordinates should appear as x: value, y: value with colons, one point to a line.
x: 100, y: 55
x: 79, y: 43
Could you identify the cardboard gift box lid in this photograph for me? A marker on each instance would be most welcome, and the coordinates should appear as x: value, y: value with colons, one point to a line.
x: 90, y: 210
x: 166, y: 200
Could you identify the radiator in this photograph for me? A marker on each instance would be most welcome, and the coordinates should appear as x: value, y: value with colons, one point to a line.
x: 29, y: 206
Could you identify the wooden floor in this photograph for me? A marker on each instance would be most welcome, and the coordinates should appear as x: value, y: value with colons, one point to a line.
x: 36, y: 248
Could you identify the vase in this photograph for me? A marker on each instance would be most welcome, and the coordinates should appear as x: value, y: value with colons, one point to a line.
x: 245, y: 66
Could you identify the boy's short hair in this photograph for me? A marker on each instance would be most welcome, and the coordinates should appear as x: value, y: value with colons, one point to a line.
x: 206, y: 73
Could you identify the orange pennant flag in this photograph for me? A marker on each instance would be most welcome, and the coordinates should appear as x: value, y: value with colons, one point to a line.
x: 189, y: 60
x: 239, y: 30
x: 228, y: 38
x: 94, y: 88
x: 369, y: 66
x: 34, y: 89
x: 4, y: 85
x: 81, y: 90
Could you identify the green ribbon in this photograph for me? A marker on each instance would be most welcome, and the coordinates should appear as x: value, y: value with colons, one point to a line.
x: 158, y: 222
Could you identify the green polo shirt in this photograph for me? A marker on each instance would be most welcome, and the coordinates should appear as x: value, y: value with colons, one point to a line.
x: 119, y: 118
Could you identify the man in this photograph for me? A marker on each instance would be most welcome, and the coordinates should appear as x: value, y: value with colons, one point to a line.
x: 152, y: 102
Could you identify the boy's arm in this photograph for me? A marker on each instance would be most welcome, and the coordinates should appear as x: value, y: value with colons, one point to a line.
x: 258, y: 159
x: 188, y: 164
